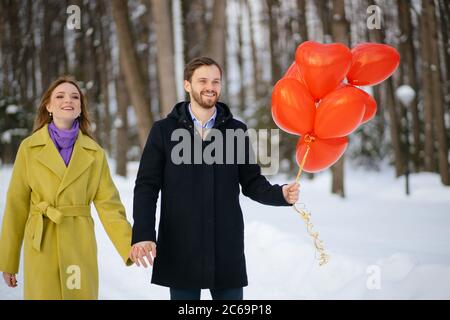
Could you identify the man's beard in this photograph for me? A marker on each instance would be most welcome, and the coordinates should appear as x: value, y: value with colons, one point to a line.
x: 205, y: 102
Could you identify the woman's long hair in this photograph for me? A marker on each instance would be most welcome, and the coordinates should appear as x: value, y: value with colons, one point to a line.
x: 43, y: 116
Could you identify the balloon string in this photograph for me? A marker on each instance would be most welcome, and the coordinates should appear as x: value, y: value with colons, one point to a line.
x: 320, y: 253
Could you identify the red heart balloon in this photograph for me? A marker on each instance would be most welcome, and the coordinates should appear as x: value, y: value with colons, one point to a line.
x: 323, y: 153
x: 371, y: 107
x: 369, y: 102
x: 339, y: 113
x: 372, y: 63
x: 322, y: 66
x: 294, y: 73
x: 293, y: 108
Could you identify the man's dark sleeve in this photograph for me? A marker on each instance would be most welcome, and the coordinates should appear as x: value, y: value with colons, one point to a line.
x: 147, y: 187
x: 255, y: 185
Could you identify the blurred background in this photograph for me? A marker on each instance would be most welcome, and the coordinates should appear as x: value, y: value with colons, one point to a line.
x: 129, y: 56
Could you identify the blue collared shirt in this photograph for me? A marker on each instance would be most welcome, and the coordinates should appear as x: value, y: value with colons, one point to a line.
x: 208, y: 124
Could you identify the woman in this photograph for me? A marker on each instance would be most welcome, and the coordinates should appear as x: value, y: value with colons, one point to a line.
x: 59, y: 171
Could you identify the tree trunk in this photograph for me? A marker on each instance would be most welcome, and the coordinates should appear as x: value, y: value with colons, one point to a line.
x: 429, y: 9
x: 48, y: 45
x: 133, y: 77
x: 240, y: 59
x: 444, y: 7
x: 165, y: 55
x: 215, y: 47
x: 323, y: 8
x: 15, y: 40
x: 79, y: 48
x: 301, y: 7
x: 91, y: 73
x: 377, y: 35
x: 257, y: 78
x: 194, y: 26
x: 4, y: 54
x: 409, y: 74
x: 426, y: 89
x: 444, y: 10
x: 143, y: 31
x: 121, y: 123
x: 340, y: 33
x: 104, y: 58
x: 61, y: 58
x: 25, y: 58
x: 273, y: 40
x: 395, y: 127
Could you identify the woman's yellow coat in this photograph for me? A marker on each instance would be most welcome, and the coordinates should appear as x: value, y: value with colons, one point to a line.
x: 48, y: 210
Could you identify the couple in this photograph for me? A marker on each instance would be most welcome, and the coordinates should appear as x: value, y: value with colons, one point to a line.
x: 60, y: 170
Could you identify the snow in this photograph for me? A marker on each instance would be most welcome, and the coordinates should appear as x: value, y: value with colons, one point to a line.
x: 141, y: 47
x: 131, y: 117
x: 118, y: 123
x: 382, y: 243
x: 89, y: 85
x: 6, y: 137
x: 89, y: 32
x: 405, y: 94
x: 138, y: 12
x: 12, y: 109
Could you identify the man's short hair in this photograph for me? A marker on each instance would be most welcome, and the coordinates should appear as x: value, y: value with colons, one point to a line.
x: 196, y: 63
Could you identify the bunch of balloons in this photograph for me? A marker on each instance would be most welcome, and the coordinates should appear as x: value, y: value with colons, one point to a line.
x: 313, y: 99
x: 318, y: 99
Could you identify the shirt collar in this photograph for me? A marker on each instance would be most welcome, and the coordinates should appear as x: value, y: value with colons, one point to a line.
x: 208, y: 124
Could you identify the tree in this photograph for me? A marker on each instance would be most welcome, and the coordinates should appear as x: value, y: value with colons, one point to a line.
x: 429, y: 160
x: 194, y: 14
x: 121, y: 122
x: 165, y: 61
x: 340, y: 31
x: 215, y: 44
x: 390, y: 101
x: 303, y: 27
x: 103, y: 56
x: 429, y: 14
x: 133, y: 78
x: 408, y: 73
x: 272, y: 6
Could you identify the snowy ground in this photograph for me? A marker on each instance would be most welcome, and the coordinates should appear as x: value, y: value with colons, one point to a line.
x: 383, y: 245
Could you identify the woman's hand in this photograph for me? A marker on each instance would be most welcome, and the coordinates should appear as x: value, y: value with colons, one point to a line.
x: 10, y: 279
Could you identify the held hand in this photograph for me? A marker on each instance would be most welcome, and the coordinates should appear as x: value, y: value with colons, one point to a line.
x: 10, y: 279
x: 143, y: 249
x: 290, y: 192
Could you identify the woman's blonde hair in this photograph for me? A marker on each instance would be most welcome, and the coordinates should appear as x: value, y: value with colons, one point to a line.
x: 43, y: 117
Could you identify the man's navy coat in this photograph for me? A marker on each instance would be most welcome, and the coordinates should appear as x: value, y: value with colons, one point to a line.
x: 200, y: 240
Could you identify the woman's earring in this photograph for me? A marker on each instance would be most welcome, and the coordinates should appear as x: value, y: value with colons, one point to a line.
x: 50, y: 114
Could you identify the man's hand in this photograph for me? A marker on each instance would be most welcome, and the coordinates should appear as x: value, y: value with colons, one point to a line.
x: 143, y: 249
x: 10, y: 279
x: 290, y: 192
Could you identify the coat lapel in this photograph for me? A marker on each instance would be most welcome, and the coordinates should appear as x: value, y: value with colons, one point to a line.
x: 79, y: 161
x: 49, y: 155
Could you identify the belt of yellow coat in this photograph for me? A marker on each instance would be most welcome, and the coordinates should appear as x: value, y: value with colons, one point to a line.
x: 56, y: 215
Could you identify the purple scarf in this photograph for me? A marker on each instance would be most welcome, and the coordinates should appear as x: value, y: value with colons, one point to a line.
x: 64, y: 139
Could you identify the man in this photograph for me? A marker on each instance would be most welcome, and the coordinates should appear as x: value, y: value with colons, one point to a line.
x: 201, y: 230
